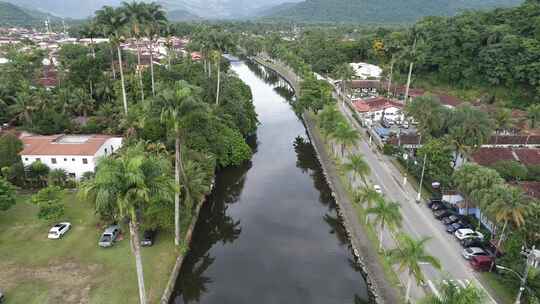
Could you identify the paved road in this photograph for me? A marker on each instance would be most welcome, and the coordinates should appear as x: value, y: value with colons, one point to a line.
x: 418, y: 220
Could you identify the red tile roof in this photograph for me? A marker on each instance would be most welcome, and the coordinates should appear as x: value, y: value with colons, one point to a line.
x: 528, y: 156
x: 50, y: 145
x: 365, y: 84
x: 375, y: 104
x: 489, y: 156
x: 514, y: 140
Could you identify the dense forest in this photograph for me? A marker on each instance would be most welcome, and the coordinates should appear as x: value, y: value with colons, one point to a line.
x: 376, y: 11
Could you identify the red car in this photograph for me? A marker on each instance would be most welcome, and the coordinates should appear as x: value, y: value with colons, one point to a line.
x: 481, y: 262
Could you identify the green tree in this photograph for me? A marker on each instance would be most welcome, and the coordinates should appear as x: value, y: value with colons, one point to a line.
x: 37, y: 172
x: 439, y: 160
x: 10, y: 146
x: 345, y: 136
x: 511, y: 170
x: 387, y: 214
x: 409, y: 254
x: 7, y: 195
x: 451, y: 293
x: 359, y: 167
x: 131, y: 181
x: 176, y: 105
x: 50, y: 202
x: 136, y: 18
x: 470, y: 129
x: 345, y: 73
x: 533, y: 113
x: 57, y: 177
x: 156, y: 20
x: 113, y: 22
x: 367, y: 197
x: 431, y: 116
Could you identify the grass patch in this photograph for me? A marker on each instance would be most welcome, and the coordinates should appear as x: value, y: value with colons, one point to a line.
x: 75, y: 269
x: 503, y: 292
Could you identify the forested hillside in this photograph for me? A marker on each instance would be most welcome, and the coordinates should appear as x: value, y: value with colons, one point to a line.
x: 377, y: 11
x: 13, y: 15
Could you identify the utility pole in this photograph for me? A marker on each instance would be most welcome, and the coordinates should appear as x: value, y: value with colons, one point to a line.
x: 421, y: 180
x: 390, y: 78
x: 410, y: 72
x: 530, y: 260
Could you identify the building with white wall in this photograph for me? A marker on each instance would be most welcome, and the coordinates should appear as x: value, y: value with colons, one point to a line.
x: 76, y: 154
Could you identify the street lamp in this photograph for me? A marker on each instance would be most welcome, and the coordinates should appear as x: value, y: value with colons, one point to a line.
x: 421, y: 180
x: 523, y: 278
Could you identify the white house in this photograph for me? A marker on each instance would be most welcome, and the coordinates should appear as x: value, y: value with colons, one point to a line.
x: 76, y: 154
x: 375, y: 109
x: 365, y: 71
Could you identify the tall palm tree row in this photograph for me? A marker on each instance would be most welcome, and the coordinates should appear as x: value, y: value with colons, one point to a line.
x: 367, y: 196
x: 176, y: 105
x: 131, y: 181
x: 345, y: 135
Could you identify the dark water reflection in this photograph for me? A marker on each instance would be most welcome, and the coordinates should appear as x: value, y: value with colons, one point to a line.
x: 269, y: 232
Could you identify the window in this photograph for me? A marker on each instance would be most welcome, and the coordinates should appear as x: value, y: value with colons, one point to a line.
x: 73, y: 159
x: 38, y: 159
x: 85, y: 161
x: 26, y: 158
x: 71, y: 175
x: 53, y: 160
x: 105, y: 150
x: 65, y: 159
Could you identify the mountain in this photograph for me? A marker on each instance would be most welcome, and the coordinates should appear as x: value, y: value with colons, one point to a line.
x: 181, y: 15
x: 17, y: 16
x: 208, y: 9
x: 376, y: 11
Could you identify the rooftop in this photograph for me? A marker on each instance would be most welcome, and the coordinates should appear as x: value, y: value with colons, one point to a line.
x: 61, y: 144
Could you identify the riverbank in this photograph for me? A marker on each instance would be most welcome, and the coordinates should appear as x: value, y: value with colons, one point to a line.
x: 364, y: 249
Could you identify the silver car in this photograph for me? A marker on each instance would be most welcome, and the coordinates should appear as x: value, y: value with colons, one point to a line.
x: 109, y: 236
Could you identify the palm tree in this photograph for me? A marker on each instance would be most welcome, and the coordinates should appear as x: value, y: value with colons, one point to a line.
x: 359, y: 167
x: 131, y: 181
x: 195, y: 185
x: 368, y: 196
x: 23, y: 107
x: 219, y: 43
x: 508, y: 205
x: 135, y: 13
x: 533, y: 113
x: 470, y: 127
x: 451, y: 293
x: 90, y: 30
x: 429, y: 113
x: 156, y: 21
x: 386, y: 214
x: 345, y: 135
x: 409, y: 254
x: 176, y: 105
x: 113, y: 21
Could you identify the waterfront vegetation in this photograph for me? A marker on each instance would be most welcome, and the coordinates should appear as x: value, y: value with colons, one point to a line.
x: 181, y: 118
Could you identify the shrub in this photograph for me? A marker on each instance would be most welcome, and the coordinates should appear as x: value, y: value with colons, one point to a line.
x: 50, y: 203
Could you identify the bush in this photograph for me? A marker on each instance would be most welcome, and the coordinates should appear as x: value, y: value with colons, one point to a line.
x: 7, y: 195
x: 10, y: 146
x: 57, y: 177
x: 511, y: 170
x: 389, y: 149
x: 50, y: 203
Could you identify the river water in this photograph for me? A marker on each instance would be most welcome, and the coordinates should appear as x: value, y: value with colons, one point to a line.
x: 269, y: 232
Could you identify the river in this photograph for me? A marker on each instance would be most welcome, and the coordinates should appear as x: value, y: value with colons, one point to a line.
x: 269, y: 232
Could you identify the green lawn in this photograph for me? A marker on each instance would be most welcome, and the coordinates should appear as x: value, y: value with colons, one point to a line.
x: 74, y: 269
x: 501, y: 291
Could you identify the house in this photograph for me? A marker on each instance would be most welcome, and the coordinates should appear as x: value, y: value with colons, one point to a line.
x: 490, y: 156
x: 76, y: 154
x: 365, y: 71
x: 377, y: 108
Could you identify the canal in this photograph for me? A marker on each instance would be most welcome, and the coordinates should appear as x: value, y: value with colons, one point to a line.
x: 269, y: 232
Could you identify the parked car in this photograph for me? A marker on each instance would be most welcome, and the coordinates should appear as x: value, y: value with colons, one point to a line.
x: 470, y: 252
x: 148, y: 238
x: 440, y: 214
x: 57, y: 231
x: 450, y: 219
x: 438, y: 206
x: 109, y: 236
x: 377, y: 188
x: 472, y: 242
x: 467, y: 233
x: 432, y: 202
x: 481, y: 263
x: 457, y: 225
x: 405, y: 124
